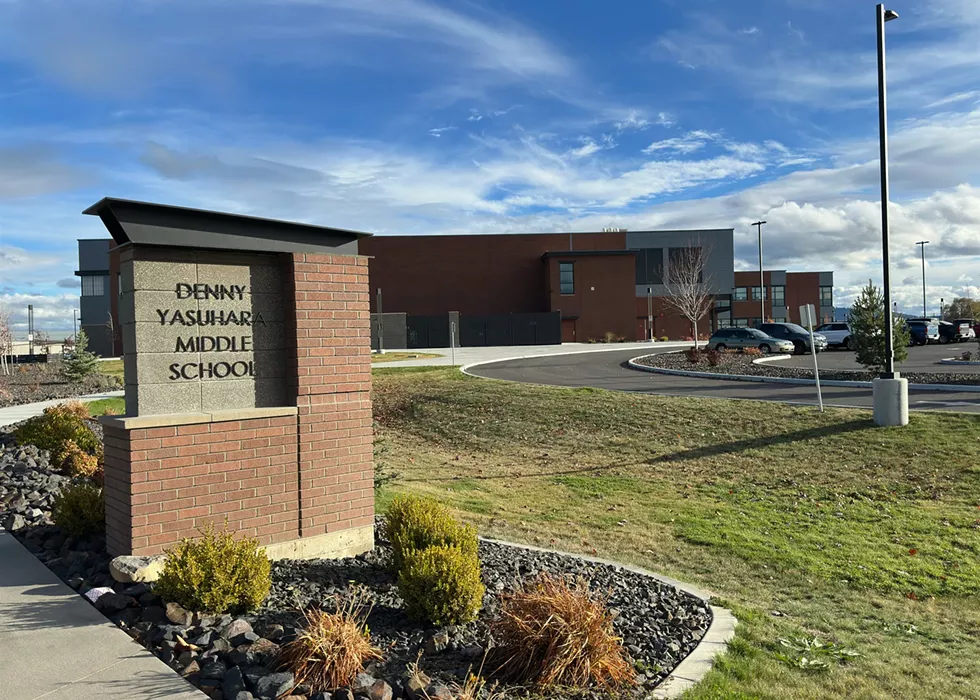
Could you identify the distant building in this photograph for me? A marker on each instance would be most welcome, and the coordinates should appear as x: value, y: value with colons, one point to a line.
x: 95, y: 304
x: 785, y: 293
x: 522, y: 289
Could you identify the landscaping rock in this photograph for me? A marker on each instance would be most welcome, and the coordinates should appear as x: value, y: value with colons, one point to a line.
x: 273, y: 685
x: 111, y: 603
x: 437, y: 691
x: 137, y: 569
x: 233, y: 682
x: 437, y: 643
x: 236, y: 628
x: 178, y: 615
x: 14, y: 522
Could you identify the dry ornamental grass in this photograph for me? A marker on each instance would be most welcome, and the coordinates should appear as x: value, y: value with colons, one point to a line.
x: 333, y: 647
x: 551, y: 633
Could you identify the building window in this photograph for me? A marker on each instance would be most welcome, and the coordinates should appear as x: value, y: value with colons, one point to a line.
x: 826, y: 296
x: 756, y: 293
x: 740, y: 322
x: 93, y: 285
x: 741, y: 293
x: 684, y: 262
x: 566, y: 277
x: 778, y: 296
x: 649, y: 266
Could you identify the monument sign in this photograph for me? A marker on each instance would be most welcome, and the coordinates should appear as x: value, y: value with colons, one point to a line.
x: 247, y: 362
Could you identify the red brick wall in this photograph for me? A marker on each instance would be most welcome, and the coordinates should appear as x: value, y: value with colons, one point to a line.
x: 333, y: 389
x: 604, y: 294
x: 667, y: 322
x: 483, y: 274
x: 163, y: 484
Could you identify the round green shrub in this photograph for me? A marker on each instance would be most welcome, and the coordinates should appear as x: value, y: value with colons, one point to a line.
x: 56, y: 426
x: 215, y: 573
x: 416, y: 523
x: 79, y: 509
x: 442, y: 585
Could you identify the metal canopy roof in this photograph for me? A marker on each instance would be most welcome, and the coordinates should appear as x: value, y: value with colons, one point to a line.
x: 147, y: 223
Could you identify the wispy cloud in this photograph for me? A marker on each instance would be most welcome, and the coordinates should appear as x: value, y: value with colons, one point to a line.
x: 689, y: 143
x: 441, y: 130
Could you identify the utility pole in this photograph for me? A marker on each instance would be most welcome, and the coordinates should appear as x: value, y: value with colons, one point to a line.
x: 762, y: 281
x: 650, y: 313
x: 381, y: 326
x: 922, y: 245
x: 30, y: 329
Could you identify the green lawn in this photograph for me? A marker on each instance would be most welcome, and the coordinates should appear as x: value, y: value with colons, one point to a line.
x: 397, y: 356
x: 115, y: 406
x: 806, y: 524
x: 114, y: 368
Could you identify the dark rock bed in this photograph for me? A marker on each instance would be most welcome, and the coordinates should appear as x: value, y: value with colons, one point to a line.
x: 230, y: 658
x: 736, y: 363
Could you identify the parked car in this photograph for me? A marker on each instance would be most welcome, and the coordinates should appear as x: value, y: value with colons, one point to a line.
x: 965, y: 328
x: 922, y: 333
x: 741, y: 338
x: 945, y: 331
x: 796, y: 334
x: 838, y: 335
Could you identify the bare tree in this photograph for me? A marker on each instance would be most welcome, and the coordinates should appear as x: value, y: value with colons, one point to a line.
x: 113, y: 332
x: 687, y: 283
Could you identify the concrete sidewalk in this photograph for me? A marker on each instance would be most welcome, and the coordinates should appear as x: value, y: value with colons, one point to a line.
x: 53, y: 644
x: 15, y: 414
x: 469, y: 356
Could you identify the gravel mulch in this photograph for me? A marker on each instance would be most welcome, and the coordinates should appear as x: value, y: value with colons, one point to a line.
x: 232, y: 658
x: 735, y: 363
x: 42, y: 382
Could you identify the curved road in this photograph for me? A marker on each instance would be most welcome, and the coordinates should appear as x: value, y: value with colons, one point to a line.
x: 608, y: 370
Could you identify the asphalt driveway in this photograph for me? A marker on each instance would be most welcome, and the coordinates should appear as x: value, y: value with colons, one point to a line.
x: 921, y: 359
x: 608, y: 370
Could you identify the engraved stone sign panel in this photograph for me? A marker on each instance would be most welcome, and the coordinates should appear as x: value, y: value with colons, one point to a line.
x: 202, y: 332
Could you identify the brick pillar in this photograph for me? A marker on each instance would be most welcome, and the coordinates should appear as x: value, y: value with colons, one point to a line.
x: 333, y: 395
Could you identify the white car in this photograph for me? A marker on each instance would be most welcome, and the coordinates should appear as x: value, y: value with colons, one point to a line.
x: 838, y: 335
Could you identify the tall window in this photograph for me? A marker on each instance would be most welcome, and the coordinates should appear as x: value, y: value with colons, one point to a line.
x: 649, y: 266
x: 93, y: 286
x: 756, y: 293
x: 778, y: 296
x: 826, y: 296
x: 566, y: 277
x: 741, y: 293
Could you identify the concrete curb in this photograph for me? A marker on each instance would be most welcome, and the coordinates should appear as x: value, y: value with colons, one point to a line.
x: 634, y: 364
x: 465, y: 368
x: 954, y: 361
x: 695, y: 666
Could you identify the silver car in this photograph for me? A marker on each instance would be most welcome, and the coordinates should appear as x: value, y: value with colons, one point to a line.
x: 741, y: 338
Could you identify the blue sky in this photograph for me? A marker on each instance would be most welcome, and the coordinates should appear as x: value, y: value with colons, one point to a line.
x: 420, y: 116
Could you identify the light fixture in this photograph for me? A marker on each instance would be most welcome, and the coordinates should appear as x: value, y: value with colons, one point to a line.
x: 890, y: 15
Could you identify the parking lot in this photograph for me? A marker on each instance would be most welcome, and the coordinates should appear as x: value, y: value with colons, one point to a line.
x: 921, y: 359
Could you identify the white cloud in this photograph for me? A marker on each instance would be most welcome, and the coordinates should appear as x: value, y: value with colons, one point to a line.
x: 633, y: 121
x: 689, y: 143
x: 441, y: 130
x: 52, y: 313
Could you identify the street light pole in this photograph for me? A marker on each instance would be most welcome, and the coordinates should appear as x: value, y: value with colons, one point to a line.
x: 922, y: 244
x: 890, y: 391
x: 883, y: 16
x: 762, y: 281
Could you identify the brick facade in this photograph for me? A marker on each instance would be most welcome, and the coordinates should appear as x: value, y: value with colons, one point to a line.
x: 299, y: 472
x: 166, y: 483
x: 333, y: 392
